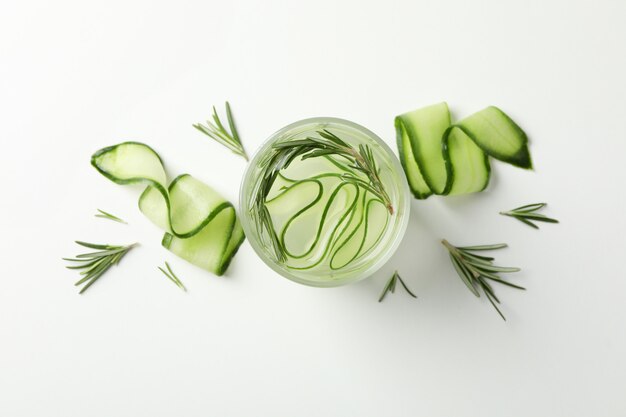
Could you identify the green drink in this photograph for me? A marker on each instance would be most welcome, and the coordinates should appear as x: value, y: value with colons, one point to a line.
x: 324, y: 202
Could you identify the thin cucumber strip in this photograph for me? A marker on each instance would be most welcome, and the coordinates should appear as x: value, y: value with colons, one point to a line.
x: 330, y: 228
x: 201, y: 226
x: 443, y: 158
x: 295, y: 184
x: 334, y: 212
x: 499, y: 136
x: 357, y: 241
x: 350, y: 247
x: 305, y: 195
x: 417, y: 184
x: 114, y: 163
x: 424, y: 129
x: 371, y: 239
x: 340, y: 227
x: 352, y: 222
x: 213, y: 246
x: 322, y: 222
x: 469, y: 165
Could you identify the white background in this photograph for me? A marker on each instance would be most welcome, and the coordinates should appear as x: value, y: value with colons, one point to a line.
x: 77, y: 76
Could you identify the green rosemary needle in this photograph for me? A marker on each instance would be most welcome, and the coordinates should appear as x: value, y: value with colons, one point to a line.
x: 104, y: 215
x: 528, y: 213
x: 361, y: 160
x: 391, y: 286
x: 476, y: 270
x: 95, y: 264
x: 172, y: 277
x: 216, y: 131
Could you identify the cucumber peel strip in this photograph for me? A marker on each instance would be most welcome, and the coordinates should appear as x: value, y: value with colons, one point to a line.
x: 345, y: 230
x: 443, y: 158
x: 201, y: 226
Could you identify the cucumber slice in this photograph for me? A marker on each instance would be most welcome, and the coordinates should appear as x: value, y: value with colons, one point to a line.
x: 442, y: 158
x: 335, y: 214
x: 499, y: 136
x: 201, y: 226
x: 416, y: 181
x: 425, y: 128
x: 112, y: 162
x: 213, y: 247
x: 469, y: 165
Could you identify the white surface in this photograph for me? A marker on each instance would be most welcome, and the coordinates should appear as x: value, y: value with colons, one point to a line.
x: 76, y: 76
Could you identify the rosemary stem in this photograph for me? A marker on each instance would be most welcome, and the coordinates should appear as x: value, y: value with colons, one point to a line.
x: 375, y: 179
x: 449, y: 246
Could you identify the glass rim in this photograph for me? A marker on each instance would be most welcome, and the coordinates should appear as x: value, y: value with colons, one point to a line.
x: 248, y: 224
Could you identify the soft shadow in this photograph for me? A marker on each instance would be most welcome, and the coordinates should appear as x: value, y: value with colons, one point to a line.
x: 419, y: 256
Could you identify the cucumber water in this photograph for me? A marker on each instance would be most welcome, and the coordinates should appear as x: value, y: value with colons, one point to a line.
x: 331, y: 230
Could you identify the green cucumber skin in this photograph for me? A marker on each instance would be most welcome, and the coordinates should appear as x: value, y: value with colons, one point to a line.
x: 230, y: 247
x: 359, y: 251
x: 520, y: 158
x: 419, y: 154
x: 420, y: 195
x: 343, y: 231
x: 450, y: 167
x: 317, y: 198
x: 136, y: 180
x: 349, y: 212
x: 226, y: 262
x: 115, y: 179
x: 228, y: 258
x: 206, y: 221
x: 324, y: 214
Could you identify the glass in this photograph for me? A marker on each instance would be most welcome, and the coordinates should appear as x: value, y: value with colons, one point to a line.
x: 343, y: 259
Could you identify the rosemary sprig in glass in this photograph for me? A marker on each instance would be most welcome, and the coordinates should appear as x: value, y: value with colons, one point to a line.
x: 172, y: 277
x: 361, y: 160
x: 528, y: 213
x: 104, y: 215
x: 95, y: 264
x: 216, y: 131
x: 391, y: 286
x: 477, y: 270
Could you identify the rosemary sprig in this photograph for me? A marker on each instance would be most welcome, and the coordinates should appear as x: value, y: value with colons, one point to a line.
x: 95, y: 264
x: 172, y: 277
x: 528, y: 213
x: 104, y: 215
x: 216, y: 131
x: 474, y: 270
x: 391, y: 286
x: 361, y: 160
